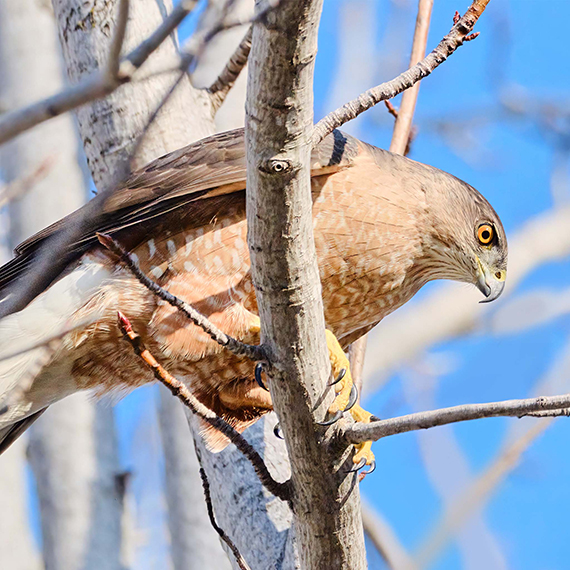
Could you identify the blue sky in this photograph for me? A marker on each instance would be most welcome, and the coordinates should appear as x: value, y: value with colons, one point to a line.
x: 511, y: 164
x: 521, y: 51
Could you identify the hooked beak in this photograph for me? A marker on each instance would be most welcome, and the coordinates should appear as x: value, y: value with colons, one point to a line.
x: 490, y: 285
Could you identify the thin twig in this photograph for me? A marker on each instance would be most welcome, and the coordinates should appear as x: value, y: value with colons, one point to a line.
x: 142, y: 52
x: 198, y: 42
x: 385, y: 540
x: 391, y: 109
x: 237, y: 554
x: 16, y: 189
x: 98, y: 85
x: 178, y: 389
x: 254, y: 352
x: 390, y: 89
x: 400, y: 144
x: 225, y: 81
x: 118, y: 39
x: 403, y: 125
x: 373, y: 431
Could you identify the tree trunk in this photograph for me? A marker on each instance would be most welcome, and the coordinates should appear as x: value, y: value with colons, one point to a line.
x: 110, y: 127
x: 279, y: 125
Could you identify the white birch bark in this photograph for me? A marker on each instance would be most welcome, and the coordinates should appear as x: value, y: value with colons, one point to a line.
x: 110, y: 127
x: 64, y: 452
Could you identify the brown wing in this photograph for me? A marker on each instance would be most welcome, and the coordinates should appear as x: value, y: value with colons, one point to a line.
x: 201, y: 171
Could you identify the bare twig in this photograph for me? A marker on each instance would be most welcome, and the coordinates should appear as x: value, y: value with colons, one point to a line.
x: 99, y: 84
x: 140, y: 54
x: 356, y: 355
x: 16, y: 189
x: 390, y: 89
x: 178, y: 389
x: 391, y: 109
x: 403, y: 125
x: 385, y: 541
x: 237, y: 554
x: 373, y: 431
x: 227, y: 78
x: 238, y: 348
x: 118, y: 39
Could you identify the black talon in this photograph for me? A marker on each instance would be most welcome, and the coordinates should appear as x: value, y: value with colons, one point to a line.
x: 372, y: 468
x: 334, y: 419
x: 359, y: 466
x: 258, y: 378
x: 340, y: 376
x: 352, y: 399
x: 374, y: 418
x: 277, y: 431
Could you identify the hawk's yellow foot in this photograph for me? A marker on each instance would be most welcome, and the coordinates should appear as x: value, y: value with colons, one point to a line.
x: 346, y: 399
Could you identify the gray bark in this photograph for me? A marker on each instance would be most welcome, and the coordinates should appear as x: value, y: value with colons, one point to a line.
x: 70, y: 479
x: 279, y: 123
x: 110, y: 127
x: 257, y: 522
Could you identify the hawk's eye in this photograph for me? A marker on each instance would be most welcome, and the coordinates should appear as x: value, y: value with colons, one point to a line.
x: 485, y: 233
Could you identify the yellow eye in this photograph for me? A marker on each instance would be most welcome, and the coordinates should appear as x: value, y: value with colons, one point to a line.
x: 485, y: 233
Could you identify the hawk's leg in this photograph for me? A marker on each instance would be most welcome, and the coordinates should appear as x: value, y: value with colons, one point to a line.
x: 346, y: 391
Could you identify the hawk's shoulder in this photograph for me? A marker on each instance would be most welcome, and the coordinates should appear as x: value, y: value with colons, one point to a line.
x: 209, y: 168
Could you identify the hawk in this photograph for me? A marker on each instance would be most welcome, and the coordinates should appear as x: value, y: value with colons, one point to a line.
x: 384, y: 226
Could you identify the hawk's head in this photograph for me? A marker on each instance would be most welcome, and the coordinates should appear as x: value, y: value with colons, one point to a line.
x: 467, y: 240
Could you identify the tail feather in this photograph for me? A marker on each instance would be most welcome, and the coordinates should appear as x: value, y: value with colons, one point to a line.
x: 29, y: 341
x: 11, y: 433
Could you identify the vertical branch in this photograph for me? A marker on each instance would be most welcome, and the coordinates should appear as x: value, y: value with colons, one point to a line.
x: 194, y: 543
x: 400, y: 139
x: 285, y: 273
x: 403, y: 125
